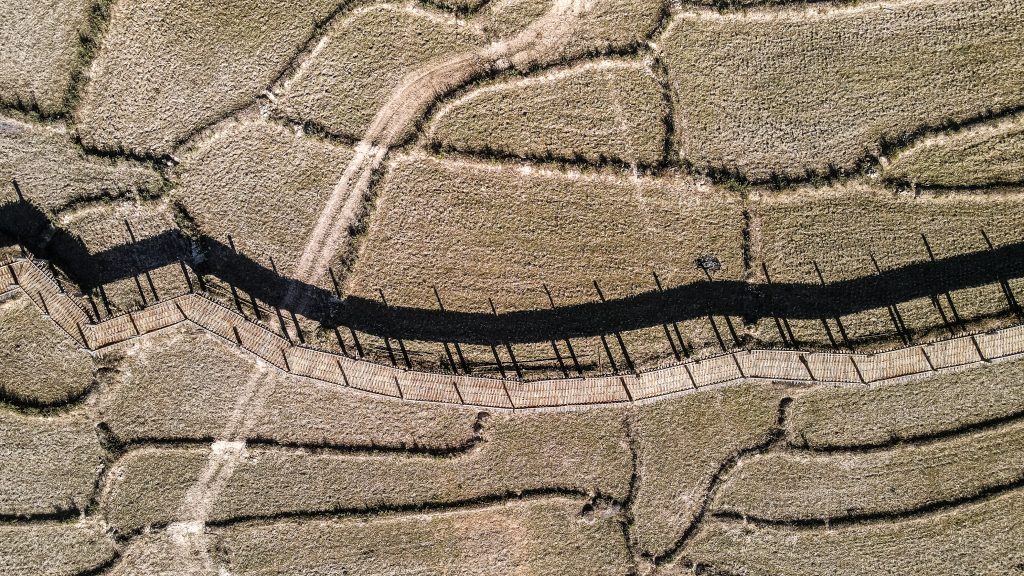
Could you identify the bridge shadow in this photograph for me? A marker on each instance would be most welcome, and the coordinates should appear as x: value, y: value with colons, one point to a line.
x: 26, y: 224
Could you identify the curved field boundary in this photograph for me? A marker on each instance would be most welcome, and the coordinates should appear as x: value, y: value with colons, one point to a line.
x: 499, y: 393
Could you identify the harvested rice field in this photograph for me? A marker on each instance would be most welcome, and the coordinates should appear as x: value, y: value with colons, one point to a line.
x: 538, y: 227
x: 511, y: 287
x: 611, y: 111
x: 988, y: 154
x: 45, y: 40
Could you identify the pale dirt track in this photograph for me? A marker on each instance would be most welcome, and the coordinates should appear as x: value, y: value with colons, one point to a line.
x: 188, y: 533
x: 396, y: 119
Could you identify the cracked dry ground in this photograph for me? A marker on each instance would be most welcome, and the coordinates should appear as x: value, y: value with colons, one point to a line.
x: 493, y: 160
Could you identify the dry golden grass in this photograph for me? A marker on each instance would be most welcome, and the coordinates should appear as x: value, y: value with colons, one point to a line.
x: 154, y: 553
x: 41, y: 44
x: 682, y: 445
x: 47, y: 464
x: 841, y: 226
x: 103, y: 226
x: 846, y: 417
x: 983, y: 155
x: 52, y: 171
x: 169, y: 67
x: 601, y: 26
x: 800, y: 486
x: 478, y: 230
x: 350, y: 77
x: 39, y: 364
x: 610, y: 110
x: 54, y: 549
x: 536, y: 537
x: 261, y: 183
x: 578, y: 451
x: 356, y: 70
x: 149, y: 485
x: 982, y: 538
x: 185, y: 384
x: 786, y: 91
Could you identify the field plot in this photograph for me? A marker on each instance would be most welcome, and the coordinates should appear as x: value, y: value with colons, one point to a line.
x: 808, y: 215
x: 794, y: 486
x: 140, y: 278
x: 682, y: 446
x: 841, y: 228
x: 39, y: 365
x: 516, y: 235
x: 611, y: 110
x: 846, y: 417
x: 985, y: 155
x: 167, y: 68
x: 45, y: 38
x: 48, y: 466
x: 355, y: 70
x: 54, y: 548
x: 260, y: 183
x: 539, y: 537
x: 51, y: 171
x: 583, y: 453
x: 791, y: 91
x: 982, y: 538
x: 505, y: 233
x: 569, y: 30
x: 186, y: 385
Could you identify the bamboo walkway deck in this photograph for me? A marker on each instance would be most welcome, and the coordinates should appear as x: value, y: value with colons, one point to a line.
x: 498, y: 393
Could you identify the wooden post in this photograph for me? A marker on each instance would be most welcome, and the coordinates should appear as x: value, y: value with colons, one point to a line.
x: 447, y: 349
x: 401, y: 344
x: 1011, y: 298
x: 668, y: 335
x: 92, y: 304
x: 787, y: 340
x: 807, y: 366
x: 856, y: 369
x: 977, y: 347
x: 341, y: 342
x: 344, y: 376
x: 949, y: 297
x: 629, y: 396
x: 558, y: 356
x: 568, y: 341
x: 927, y: 358
x: 56, y: 279
x: 188, y: 279
x: 894, y: 311
x: 298, y: 329
x: 618, y: 335
x: 508, y: 345
x: 497, y: 360
x: 824, y: 322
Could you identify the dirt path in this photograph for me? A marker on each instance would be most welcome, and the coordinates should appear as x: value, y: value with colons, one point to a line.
x: 188, y: 532
x: 396, y: 120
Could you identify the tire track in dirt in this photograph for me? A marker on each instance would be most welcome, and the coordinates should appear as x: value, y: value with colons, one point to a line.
x: 395, y: 120
x: 188, y: 533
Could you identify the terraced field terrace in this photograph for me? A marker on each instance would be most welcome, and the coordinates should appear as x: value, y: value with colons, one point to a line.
x: 533, y: 287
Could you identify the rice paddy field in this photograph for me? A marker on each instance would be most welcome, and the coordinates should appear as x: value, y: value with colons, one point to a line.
x: 524, y: 287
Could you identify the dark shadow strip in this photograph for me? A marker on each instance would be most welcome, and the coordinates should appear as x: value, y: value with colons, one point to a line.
x: 30, y: 226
